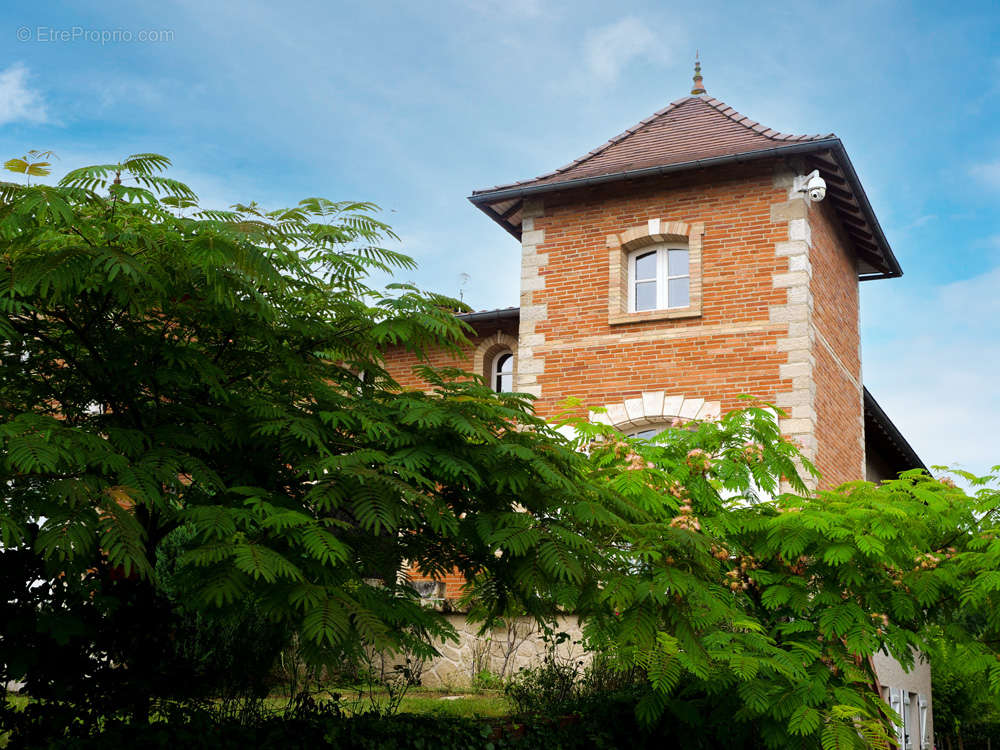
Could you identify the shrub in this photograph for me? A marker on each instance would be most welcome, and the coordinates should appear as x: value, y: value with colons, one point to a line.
x: 231, y: 651
x: 316, y: 724
x: 487, y: 680
x: 549, y: 687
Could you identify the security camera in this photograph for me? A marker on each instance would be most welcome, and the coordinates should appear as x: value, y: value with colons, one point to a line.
x: 812, y: 185
x: 816, y: 187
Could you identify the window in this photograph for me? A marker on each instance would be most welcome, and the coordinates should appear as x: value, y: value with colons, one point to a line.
x: 502, y: 372
x: 900, y: 702
x: 654, y: 272
x: 646, y: 433
x: 922, y: 704
x: 495, y: 360
x: 659, y: 279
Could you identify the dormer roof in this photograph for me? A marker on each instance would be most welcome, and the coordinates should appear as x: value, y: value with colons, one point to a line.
x: 698, y: 132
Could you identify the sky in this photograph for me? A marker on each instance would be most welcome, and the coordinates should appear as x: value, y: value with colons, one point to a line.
x: 414, y: 104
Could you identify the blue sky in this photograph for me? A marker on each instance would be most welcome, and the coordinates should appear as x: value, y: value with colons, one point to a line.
x: 414, y: 104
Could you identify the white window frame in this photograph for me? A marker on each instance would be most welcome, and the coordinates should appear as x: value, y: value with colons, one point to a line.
x: 896, y: 703
x: 907, y: 721
x: 922, y: 703
x: 662, y: 279
x: 494, y: 372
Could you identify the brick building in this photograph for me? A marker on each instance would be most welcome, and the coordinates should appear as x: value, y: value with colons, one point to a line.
x: 684, y: 263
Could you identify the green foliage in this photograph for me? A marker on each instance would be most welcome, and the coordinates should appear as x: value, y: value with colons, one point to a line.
x: 32, y: 164
x: 966, y: 710
x: 167, y: 367
x: 547, y: 688
x: 323, y: 725
x: 486, y: 680
x: 230, y: 651
x: 762, y: 607
x: 310, y: 723
x: 564, y: 684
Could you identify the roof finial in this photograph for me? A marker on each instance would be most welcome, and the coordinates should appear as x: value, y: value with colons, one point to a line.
x: 699, y: 87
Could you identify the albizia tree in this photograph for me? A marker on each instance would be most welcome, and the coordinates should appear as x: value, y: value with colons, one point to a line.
x: 212, y: 381
x: 754, y: 613
x: 166, y: 367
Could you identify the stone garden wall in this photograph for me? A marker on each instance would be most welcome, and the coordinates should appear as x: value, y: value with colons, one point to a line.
x: 503, y: 651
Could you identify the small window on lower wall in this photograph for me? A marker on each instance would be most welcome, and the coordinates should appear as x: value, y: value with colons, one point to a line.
x: 502, y: 372
x: 911, y: 730
x: 647, y: 433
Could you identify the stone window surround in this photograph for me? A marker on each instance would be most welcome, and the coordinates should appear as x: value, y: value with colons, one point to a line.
x: 655, y: 408
x: 487, y: 352
x: 655, y: 231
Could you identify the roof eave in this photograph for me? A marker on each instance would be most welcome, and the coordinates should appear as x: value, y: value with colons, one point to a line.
x: 486, y: 198
x: 892, y: 432
x: 480, y: 316
x: 894, y: 269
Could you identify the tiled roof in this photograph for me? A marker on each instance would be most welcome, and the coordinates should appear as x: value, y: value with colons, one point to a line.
x: 699, y: 132
x: 689, y: 129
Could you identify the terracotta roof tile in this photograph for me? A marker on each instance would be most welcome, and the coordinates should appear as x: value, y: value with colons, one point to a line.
x: 694, y: 132
x: 689, y: 129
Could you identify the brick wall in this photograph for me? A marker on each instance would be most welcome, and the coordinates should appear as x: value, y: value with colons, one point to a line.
x: 729, y: 350
x: 400, y: 363
x: 777, y: 317
x: 839, y: 396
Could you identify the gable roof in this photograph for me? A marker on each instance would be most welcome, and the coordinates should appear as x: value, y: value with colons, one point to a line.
x: 698, y: 132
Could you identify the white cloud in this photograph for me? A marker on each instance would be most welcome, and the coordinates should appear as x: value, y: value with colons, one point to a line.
x: 18, y: 102
x: 922, y: 220
x: 988, y: 173
x: 610, y: 49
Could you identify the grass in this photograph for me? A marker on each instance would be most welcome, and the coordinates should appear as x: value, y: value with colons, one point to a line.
x: 436, y: 703
x: 459, y: 703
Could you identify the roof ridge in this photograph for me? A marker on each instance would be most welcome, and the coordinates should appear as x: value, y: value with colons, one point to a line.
x: 756, y: 127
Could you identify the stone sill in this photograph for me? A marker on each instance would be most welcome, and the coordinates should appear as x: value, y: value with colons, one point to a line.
x: 642, y: 317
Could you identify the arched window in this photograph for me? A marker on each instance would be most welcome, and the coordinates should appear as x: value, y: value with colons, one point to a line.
x: 495, y: 360
x: 659, y: 279
x: 646, y: 432
x: 502, y: 372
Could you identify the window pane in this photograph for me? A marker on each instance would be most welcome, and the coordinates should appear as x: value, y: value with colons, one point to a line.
x: 645, y: 266
x: 677, y: 263
x: 677, y: 292
x: 645, y: 295
x: 646, y: 434
x: 503, y: 373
